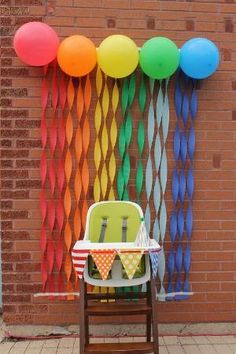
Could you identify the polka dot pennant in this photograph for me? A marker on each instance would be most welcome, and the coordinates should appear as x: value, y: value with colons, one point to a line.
x: 103, y: 260
x: 130, y: 261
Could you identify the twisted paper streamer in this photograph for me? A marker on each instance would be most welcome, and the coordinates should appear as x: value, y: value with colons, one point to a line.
x: 78, y: 154
x: 52, y: 180
x: 86, y: 140
x: 113, y: 138
x: 164, y: 121
x: 182, y: 181
x: 125, y: 135
x: 67, y: 196
x: 141, y: 138
x: 97, y: 147
x: 149, y: 168
x: 60, y: 183
x: 43, y: 175
x: 104, y: 140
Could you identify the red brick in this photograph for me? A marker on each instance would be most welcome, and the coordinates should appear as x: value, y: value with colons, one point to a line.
x: 15, y: 235
x: 6, y: 184
x: 14, y: 153
x: 17, y: 318
x: 15, y: 194
x: 25, y: 267
x: 229, y: 25
x: 9, y: 309
x: 28, y: 143
x: 7, y: 267
x: 6, y: 164
x: 9, y: 215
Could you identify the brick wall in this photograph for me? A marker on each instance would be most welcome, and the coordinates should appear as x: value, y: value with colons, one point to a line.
x: 213, y: 275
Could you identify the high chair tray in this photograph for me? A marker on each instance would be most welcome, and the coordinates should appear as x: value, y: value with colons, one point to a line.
x: 87, y: 245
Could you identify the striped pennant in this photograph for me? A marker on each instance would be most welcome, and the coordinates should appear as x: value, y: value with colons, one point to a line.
x: 79, y: 258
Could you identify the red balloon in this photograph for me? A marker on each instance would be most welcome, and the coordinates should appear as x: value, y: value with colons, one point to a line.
x: 36, y: 43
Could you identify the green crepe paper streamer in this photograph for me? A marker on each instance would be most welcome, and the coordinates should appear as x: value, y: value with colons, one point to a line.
x: 125, y: 136
x: 125, y: 96
x: 120, y: 183
x: 139, y: 179
x: 132, y: 87
x: 126, y: 168
x: 122, y: 141
x: 128, y: 129
x: 149, y: 169
x: 141, y: 138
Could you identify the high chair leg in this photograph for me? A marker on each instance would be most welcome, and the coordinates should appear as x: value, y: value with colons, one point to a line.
x: 82, y: 316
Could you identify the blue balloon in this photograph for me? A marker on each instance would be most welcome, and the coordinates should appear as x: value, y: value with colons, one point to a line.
x: 199, y: 58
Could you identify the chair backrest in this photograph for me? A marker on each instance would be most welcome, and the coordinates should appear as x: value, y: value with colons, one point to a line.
x: 116, y: 214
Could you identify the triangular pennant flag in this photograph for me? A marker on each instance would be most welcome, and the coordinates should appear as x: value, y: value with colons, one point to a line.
x: 79, y: 258
x: 130, y: 261
x: 103, y: 260
x: 154, y: 257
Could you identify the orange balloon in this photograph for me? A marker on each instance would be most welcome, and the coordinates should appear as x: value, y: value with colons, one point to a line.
x: 77, y: 55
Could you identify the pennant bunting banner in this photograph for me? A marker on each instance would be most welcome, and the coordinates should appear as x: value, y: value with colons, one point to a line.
x: 130, y: 261
x: 154, y: 257
x: 103, y: 260
x: 79, y: 258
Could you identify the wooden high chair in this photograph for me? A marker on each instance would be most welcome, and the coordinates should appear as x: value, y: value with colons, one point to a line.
x: 115, y: 225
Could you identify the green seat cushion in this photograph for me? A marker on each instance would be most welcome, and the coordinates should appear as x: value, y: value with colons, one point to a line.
x: 114, y: 212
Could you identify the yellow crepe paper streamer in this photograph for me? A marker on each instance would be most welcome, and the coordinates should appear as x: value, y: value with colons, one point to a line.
x: 113, y: 137
x: 104, y: 140
x: 97, y: 147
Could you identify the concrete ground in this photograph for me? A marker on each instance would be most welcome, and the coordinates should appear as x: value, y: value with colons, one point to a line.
x: 68, y: 343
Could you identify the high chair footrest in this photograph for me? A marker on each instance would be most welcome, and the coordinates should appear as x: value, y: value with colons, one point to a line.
x: 114, y: 309
x: 111, y: 348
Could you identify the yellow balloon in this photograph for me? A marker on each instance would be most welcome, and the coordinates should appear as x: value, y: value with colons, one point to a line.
x: 118, y: 56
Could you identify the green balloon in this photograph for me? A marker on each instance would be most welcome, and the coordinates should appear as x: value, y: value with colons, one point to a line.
x: 159, y: 57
